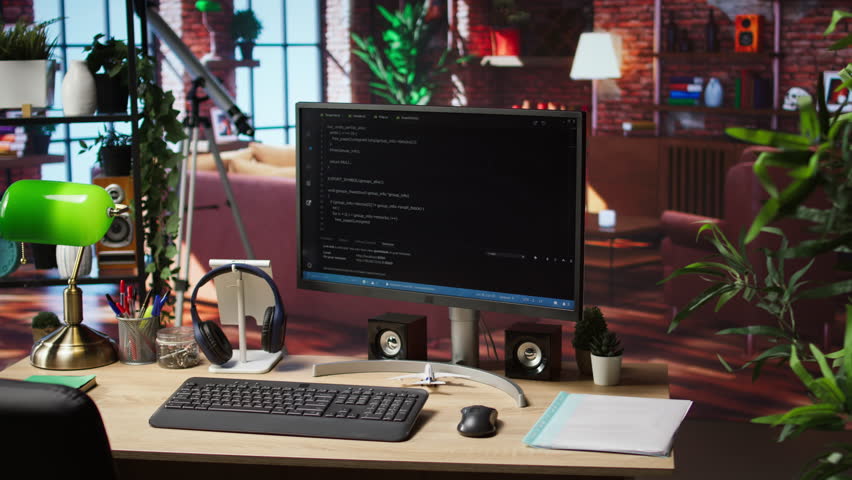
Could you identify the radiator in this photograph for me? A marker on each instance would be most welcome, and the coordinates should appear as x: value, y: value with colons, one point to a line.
x: 696, y: 176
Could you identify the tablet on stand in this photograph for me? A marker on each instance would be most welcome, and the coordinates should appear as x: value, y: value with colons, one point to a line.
x: 242, y: 296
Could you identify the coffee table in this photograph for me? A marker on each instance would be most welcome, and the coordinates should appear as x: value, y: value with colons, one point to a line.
x: 636, y: 236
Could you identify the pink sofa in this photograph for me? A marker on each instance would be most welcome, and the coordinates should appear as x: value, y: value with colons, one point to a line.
x: 267, y: 205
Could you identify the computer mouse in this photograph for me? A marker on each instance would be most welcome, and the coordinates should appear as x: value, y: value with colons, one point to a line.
x: 478, y: 421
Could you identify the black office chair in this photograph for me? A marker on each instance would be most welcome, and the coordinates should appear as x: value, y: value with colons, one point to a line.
x: 53, y: 431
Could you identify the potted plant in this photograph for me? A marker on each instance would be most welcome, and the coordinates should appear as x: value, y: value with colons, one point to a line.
x: 26, y: 66
x: 816, y: 162
x: 506, y: 24
x: 38, y: 139
x: 606, y: 358
x: 115, y: 156
x: 108, y: 63
x: 588, y: 327
x: 43, y: 324
x: 245, y: 30
x: 405, y: 68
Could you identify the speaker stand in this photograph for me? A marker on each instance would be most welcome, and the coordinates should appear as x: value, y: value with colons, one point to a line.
x: 244, y: 360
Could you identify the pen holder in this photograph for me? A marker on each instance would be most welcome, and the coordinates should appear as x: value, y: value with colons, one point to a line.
x: 137, y: 340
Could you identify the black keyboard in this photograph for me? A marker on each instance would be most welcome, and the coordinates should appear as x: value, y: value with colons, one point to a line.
x: 355, y: 412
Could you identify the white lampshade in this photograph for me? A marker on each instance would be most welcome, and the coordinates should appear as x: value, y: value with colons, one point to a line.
x: 598, y: 56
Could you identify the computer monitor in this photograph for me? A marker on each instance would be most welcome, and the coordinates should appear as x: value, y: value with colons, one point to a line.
x: 471, y: 208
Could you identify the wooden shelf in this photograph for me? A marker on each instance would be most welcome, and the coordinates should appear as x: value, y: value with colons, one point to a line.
x: 716, y: 57
x: 755, y: 112
x: 512, y: 61
x: 56, y: 117
x: 30, y: 161
x: 228, y: 64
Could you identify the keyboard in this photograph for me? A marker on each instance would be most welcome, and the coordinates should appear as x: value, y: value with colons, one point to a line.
x: 354, y: 412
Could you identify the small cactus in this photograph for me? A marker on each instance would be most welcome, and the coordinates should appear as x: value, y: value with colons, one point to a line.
x: 606, y: 344
x: 589, y: 326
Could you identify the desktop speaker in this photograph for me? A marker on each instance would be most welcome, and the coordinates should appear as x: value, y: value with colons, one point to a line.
x: 534, y: 351
x: 747, y: 33
x: 117, y: 250
x: 396, y: 336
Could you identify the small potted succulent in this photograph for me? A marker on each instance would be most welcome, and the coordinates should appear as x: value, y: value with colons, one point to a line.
x: 26, y: 66
x: 606, y: 358
x: 245, y: 29
x: 115, y: 155
x: 589, y: 326
x: 44, y: 323
x: 109, y: 65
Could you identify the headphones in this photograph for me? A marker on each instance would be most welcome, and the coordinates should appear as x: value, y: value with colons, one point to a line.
x: 210, y: 336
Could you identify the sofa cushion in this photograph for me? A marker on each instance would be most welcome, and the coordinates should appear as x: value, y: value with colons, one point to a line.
x: 279, y: 155
x: 252, y: 167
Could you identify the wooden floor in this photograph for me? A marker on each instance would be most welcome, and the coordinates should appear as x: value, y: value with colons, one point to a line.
x: 634, y: 309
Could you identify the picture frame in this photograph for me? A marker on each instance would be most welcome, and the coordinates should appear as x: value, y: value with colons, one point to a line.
x: 833, y: 98
x: 224, y: 130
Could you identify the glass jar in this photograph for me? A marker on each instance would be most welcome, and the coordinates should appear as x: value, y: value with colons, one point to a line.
x: 176, y: 348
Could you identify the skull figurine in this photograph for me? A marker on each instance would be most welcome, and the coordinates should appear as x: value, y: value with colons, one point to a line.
x: 791, y: 99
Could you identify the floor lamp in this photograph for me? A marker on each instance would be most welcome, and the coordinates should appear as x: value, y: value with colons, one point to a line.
x: 598, y: 57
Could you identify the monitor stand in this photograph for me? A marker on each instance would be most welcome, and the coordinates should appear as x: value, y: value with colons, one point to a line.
x: 464, y: 335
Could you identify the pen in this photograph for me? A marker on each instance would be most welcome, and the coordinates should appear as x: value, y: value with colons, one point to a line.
x: 154, y: 311
x: 145, y: 302
x: 158, y: 307
x: 113, y: 306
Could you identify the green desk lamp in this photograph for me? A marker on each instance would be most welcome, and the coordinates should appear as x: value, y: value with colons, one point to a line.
x: 63, y: 213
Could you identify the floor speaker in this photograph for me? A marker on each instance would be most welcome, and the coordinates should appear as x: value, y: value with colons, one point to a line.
x: 396, y: 336
x: 747, y: 31
x: 534, y: 351
x: 117, y: 249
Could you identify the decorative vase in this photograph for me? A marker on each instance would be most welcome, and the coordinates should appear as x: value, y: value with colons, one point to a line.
x: 713, y: 93
x: 584, y: 361
x: 79, y: 95
x: 506, y: 41
x: 66, y: 256
x: 606, y: 371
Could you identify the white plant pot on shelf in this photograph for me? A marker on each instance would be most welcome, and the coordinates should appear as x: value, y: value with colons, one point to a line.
x: 78, y: 90
x: 27, y: 82
x: 606, y: 371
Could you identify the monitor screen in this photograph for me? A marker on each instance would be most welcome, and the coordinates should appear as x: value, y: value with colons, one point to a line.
x: 465, y: 207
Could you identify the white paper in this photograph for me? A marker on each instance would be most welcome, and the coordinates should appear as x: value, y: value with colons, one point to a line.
x: 608, y: 423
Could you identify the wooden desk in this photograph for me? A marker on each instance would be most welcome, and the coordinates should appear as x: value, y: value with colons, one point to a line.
x: 128, y: 395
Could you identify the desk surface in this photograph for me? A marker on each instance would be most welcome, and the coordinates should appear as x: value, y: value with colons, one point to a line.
x: 128, y: 395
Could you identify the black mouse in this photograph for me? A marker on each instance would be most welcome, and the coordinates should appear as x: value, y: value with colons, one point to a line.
x: 478, y: 421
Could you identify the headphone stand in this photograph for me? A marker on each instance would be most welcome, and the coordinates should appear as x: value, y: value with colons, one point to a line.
x: 244, y: 360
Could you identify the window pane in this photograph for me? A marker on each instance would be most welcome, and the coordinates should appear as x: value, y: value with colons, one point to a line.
x: 45, y: 10
x: 302, y: 21
x: 303, y: 68
x: 270, y: 14
x: 83, y: 19
x: 269, y: 87
x: 273, y: 136
x: 243, y: 81
x: 291, y: 135
x: 81, y: 166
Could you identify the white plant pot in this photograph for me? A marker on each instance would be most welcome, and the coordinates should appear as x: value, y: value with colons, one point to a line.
x: 78, y: 90
x: 27, y: 82
x: 606, y: 371
x: 66, y: 255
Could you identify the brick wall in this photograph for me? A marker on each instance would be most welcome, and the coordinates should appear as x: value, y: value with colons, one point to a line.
x: 186, y: 21
x: 802, y: 44
x: 17, y: 9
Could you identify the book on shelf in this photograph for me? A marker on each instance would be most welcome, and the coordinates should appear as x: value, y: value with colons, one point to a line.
x: 688, y: 80
x: 685, y: 87
x: 676, y: 94
x: 684, y: 101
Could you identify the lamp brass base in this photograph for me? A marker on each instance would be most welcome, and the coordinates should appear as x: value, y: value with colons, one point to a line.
x: 73, y: 347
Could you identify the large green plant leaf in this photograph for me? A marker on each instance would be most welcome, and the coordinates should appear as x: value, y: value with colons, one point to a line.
x: 769, y: 138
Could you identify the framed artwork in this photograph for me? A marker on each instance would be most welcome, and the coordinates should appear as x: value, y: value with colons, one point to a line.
x: 223, y: 130
x: 835, y: 98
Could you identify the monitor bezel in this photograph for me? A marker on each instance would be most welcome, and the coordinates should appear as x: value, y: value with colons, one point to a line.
x: 450, y: 301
